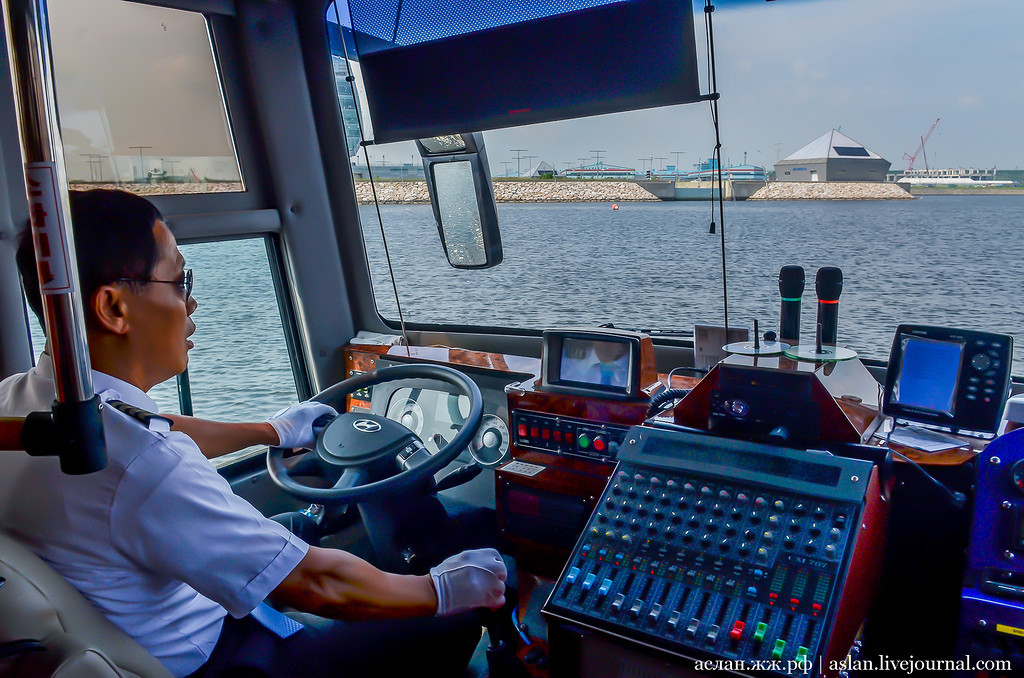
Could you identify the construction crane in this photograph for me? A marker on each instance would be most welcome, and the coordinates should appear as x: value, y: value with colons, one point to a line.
x: 920, y: 149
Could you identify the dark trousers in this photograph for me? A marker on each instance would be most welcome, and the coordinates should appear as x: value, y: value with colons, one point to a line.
x: 434, y: 647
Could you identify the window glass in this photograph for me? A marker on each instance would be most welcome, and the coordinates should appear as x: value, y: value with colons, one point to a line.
x: 140, y: 99
x: 948, y: 255
x: 239, y: 368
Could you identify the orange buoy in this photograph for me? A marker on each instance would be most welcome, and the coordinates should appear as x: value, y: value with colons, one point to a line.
x: 615, y: 206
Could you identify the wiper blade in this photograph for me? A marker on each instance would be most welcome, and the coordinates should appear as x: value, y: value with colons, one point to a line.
x: 654, y: 332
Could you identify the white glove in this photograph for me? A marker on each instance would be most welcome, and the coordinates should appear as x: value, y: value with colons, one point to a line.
x: 469, y: 580
x: 294, y: 423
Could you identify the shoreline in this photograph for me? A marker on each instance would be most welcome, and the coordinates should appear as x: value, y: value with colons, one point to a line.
x: 581, y: 191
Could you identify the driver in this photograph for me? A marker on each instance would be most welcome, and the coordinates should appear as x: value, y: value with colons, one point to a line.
x: 159, y: 542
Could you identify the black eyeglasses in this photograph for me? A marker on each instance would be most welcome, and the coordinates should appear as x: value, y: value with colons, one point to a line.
x: 184, y: 285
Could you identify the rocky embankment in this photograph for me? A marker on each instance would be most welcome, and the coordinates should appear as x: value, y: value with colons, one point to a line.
x: 831, y: 190
x: 405, y: 192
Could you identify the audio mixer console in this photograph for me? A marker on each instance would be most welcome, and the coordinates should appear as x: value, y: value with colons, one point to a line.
x: 703, y: 547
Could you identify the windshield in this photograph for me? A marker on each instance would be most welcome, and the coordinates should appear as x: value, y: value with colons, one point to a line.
x: 814, y: 91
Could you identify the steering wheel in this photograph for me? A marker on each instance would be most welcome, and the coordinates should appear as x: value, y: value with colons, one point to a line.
x: 367, y: 454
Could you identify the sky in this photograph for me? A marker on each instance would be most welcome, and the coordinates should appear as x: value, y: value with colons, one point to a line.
x: 882, y: 71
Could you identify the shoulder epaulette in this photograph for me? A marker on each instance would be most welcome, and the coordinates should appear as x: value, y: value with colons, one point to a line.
x: 152, y: 421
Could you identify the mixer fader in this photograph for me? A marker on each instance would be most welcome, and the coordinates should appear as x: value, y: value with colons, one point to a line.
x: 706, y: 547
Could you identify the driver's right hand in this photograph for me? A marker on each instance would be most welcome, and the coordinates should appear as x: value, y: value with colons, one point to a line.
x: 294, y: 424
x: 469, y: 580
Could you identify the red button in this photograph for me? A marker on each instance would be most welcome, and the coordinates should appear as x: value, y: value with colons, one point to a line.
x: 522, y: 430
x: 545, y: 434
x: 815, y: 607
x: 534, y: 432
x: 773, y: 596
x: 599, y: 444
x: 794, y: 601
x: 557, y: 436
x: 569, y: 437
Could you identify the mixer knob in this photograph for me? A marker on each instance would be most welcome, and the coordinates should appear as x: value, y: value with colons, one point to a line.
x: 664, y: 500
x: 638, y: 478
x: 742, y: 498
x: 750, y: 535
x: 688, y: 488
x: 705, y: 541
x: 649, y: 495
x: 706, y: 491
x: 652, y: 528
x: 773, y: 521
x: 602, y: 518
x: 760, y: 502
x: 688, y: 537
x: 724, y: 545
x: 675, y: 518
x: 670, y: 531
x: 830, y: 550
x: 711, y: 525
x: 718, y: 509
x: 693, y: 522
x: 671, y: 484
x: 789, y: 542
x: 811, y: 546
x: 641, y: 511
x: 683, y: 503
x: 655, y: 480
x: 658, y: 515
x: 794, y: 525
x: 815, y: 530
x: 724, y: 495
x: 623, y: 476
x: 834, y: 534
x: 769, y: 537
x: 730, y: 529
x: 800, y: 508
x: 619, y: 522
x: 779, y: 505
x: 819, y: 512
x: 737, y: 514
x: 755, y: 517
x: 762, y: 553
x: 744, y: 550
x: 700, y: 506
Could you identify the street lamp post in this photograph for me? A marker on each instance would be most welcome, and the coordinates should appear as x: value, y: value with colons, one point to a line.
x: 519, y: 157
x: 142, y: 169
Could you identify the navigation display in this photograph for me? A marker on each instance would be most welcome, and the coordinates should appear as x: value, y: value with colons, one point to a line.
x: 928, y: 374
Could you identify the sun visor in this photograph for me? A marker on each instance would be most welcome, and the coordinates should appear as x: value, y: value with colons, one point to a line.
x: 434, y: 67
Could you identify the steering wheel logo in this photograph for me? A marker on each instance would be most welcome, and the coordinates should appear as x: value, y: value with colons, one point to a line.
x: 366, y: 425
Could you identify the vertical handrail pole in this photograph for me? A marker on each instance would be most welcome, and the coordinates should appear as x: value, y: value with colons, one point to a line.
x: 76, y: 413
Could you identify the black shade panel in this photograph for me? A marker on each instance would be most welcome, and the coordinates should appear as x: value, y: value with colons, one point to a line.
x: 618, y: 55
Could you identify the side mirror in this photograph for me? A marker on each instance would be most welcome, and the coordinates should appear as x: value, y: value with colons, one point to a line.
x: 459, y: 184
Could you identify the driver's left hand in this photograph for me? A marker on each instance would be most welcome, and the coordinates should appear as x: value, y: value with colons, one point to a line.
x: 294, y: 424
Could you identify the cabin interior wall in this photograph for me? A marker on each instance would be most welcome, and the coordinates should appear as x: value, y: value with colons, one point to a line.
x: 15, y: 348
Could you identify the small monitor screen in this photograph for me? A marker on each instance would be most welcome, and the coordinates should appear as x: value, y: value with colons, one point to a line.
x: 929, y: 373
x: 595, y: 362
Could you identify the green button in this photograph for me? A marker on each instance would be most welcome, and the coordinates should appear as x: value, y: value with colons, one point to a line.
x: 801, y: 653
x: 759, y: 633
x: 584, y: 441
x: 780, y: 647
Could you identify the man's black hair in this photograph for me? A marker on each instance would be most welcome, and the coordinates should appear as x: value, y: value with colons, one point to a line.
x: 113, y: 239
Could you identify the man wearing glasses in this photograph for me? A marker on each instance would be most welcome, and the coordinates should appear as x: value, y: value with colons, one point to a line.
x: 159, y: 542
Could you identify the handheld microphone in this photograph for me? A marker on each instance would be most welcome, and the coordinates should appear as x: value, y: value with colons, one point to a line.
x: 829, y: 285
x: 791, y: 286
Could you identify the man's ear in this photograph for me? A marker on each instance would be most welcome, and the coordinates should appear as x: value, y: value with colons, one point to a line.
x: 110, y: 309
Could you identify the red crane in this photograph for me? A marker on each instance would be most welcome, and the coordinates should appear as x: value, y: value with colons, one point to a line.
x: 920, y: 149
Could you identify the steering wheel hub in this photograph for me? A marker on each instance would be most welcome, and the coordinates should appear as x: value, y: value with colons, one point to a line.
x: 359, y: 438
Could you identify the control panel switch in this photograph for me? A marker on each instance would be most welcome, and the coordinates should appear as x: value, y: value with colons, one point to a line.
x: 673, y: 619
x: 635, y: 609
x: 712, y: 634
x: 691, y: 628
x: 571, y: 577
x: 780, y: 647
x: 759, y: 632
x: 801, y: 654
x: 655, y: 612
x: 737, y: 630
x: 589, y: 581
x: 617, y: 603
x: 606, y: 585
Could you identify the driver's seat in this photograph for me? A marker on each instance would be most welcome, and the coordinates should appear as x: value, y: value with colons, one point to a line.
x: 47, y: 628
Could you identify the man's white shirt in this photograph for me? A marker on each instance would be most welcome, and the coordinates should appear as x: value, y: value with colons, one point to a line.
x: 157, y: 540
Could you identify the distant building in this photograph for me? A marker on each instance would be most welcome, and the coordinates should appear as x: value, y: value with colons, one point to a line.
x: 599, y: 170
x: 541, y: 169
x: 832, y: 157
